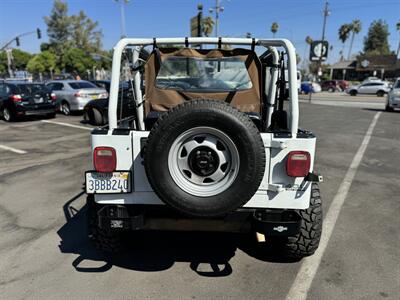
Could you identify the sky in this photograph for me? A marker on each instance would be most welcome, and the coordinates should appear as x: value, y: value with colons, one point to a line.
x: 170, y: 18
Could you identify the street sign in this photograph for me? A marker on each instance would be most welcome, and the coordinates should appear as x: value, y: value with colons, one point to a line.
x: 319, y: 50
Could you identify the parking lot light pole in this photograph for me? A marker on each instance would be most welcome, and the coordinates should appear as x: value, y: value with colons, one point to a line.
x: 122, y: 7
x: 218, y: 8
x: 326, y: 14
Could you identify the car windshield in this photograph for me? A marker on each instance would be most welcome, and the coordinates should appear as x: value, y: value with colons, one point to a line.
x: 31, y: 89
x: 203, y: 74
x: 82, y: 85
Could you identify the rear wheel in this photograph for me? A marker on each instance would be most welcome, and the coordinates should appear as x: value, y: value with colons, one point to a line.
x: 389, y: 108
x: 98, y: 118
x: 65, y: 108
x: 104, y: 240
x: 353, y: 93
x: 331, y: 90
x: 7, y: 114
x: 306, y: 242
x: 380, y: 93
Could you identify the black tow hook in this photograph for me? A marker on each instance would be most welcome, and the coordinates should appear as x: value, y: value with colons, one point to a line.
x: 314, y: 177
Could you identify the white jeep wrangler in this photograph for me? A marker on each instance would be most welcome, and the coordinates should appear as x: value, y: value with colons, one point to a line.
x: 212, y: 146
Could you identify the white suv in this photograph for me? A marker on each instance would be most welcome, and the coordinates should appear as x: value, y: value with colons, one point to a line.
x: 379, y: 88
x: 393, y: 98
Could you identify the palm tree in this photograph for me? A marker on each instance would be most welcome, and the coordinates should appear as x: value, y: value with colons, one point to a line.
x: 344, y: 32
x: 355, y: 27
x: 398, y: 29
x: 207, y: 26
x: 274, y: 28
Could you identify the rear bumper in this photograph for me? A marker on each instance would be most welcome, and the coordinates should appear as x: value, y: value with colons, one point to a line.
x: 35, y: 110
x: 132, y: 217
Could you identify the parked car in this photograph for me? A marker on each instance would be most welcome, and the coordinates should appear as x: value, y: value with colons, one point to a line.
x: 73, y: 95
x: 379, y: 88
x: 96, y: 111
x: 393, y: 98
x: 25, y: 99
x: 334, y: 85
x: 309, y: 87
x: 104, y: 84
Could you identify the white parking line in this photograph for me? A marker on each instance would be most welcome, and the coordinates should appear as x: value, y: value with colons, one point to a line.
x: 12, y: 149
x: 66, y: 124
x: 302, y: 283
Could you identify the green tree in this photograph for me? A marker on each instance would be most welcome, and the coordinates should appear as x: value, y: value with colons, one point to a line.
x: 207, y: 26
x: 85, y: 34
x: 274, y: 28
x: 42, y: 62
x: 376, y: 41
x: 21, y: 59
x: 344, y: 33
x: 3, y: 62
x: 59, y: 26
x: 355, y: 27
x: 77, y: 60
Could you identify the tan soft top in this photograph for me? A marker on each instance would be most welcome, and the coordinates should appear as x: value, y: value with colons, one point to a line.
x: 158, y: 99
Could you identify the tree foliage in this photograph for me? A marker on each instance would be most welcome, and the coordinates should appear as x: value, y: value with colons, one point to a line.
x: 85, y: 34
x: 76, y: 60
x: 59, y: 27
x: 42, y: 62
x: 207, y: 25
x: 376, y: 41
x: 20, y: 60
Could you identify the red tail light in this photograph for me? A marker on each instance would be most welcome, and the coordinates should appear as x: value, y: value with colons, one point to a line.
x: 16, y: 98
x: 53, y: 96
x: 104, y: 159
x: 298, y: 163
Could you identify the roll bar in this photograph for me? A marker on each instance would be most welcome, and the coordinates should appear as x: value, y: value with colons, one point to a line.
x: 267, y: 43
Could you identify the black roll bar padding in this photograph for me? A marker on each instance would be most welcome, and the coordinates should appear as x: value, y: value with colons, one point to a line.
x: 186, y: 42
x: 219, y: 43
x: 282, y: 83
x: 154, y: 43
x: 253, y: 44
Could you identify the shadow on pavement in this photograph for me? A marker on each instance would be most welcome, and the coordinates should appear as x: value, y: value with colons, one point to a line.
x: 208, y: 254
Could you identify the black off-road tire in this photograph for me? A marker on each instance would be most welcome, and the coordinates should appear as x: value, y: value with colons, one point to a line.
x: 226, y: 119
x: 389, y: 108
x: 306, y: 242
x: 98, y: 118
x: 104, y: 240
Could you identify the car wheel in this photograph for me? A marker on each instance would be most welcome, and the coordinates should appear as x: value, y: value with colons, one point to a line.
x: 306, y: 242
x: 380, y: 93
x: 65, y: 109
x: 98, y: 118
x: 389, y: 108
x: 331, y: 90
x: 7, y: 114
x: 353, y: 93
x: 204, y: 158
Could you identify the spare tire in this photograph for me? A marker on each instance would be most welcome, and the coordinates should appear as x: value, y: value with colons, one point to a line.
x: 204, y: 158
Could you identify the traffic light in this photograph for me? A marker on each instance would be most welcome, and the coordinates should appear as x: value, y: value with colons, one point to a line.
x: 39, y: 33
x: 17, y: 41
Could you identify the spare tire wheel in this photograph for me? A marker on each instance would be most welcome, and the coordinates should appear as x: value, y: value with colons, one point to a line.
x: 204, y: 158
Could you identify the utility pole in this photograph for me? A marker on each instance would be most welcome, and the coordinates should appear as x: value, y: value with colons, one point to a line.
x: 218, y: 9
x: 122, y: 9
x: 326, y: 14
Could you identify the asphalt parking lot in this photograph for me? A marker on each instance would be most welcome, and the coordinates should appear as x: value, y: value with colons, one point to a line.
x: 44, y: 252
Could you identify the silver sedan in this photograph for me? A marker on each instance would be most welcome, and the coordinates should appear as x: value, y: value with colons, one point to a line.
x: 72, y: 95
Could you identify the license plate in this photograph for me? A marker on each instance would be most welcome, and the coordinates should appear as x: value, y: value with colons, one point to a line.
x: 94, y: 96
x: 38, y: 100
x: 108, y: 183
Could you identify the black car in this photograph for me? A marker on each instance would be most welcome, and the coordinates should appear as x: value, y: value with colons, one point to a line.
x: 96, y: 111
x: 25, y: 99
